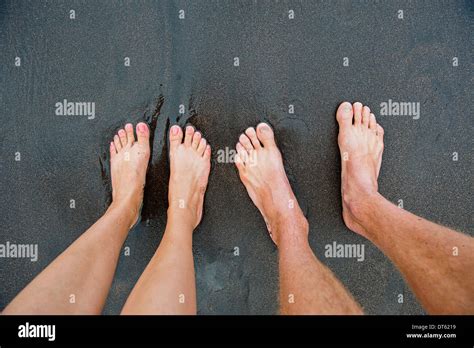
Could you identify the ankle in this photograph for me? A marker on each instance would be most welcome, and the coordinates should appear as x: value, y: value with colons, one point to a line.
x: 291, y: 230
x: 361, y: 214
x: 360, y: 206
x: 127, y: 211
x: 183, y: 217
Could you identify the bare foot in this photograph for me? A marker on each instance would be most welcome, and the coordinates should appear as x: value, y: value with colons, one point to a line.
x: 361, y: 144
x: 190, y: 163
x: 261, y: 170
x: 129, y: 161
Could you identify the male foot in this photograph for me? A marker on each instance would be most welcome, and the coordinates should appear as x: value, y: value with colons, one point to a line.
x: 361, y: 145
x: 128, y: 161
x: 261, y: 170
x: 190, y: 163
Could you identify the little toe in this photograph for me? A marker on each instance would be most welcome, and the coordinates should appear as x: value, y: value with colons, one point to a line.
x: 117, y: 143
x: 112, y: 149
x: 207, y: 152
x: 372, y: 122
x: 239, y: 162
x: 243, y: 154
x: 380, y: 132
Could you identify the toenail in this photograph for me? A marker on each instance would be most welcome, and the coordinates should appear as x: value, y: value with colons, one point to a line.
x: 264, y: 127
x: 174, y: 130
x: 189, y: 129
x: 121, y: 132
x: 128, y: 126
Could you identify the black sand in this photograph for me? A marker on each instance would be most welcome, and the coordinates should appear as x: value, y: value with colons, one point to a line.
x: 190, y: 62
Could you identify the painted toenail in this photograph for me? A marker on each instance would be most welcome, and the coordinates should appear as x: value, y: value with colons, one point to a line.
x: 174, y: 130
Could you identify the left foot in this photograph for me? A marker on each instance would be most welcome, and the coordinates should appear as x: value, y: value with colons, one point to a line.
x: 128, y: 162
x: 361, y: 144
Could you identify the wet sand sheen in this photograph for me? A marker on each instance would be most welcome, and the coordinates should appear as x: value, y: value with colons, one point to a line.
x: 188, y: 66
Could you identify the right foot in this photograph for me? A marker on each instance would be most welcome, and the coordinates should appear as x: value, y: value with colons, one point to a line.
x: 190, y: 163
x: 128, y: 163
x: 361, y: 145
x: 261, y: 170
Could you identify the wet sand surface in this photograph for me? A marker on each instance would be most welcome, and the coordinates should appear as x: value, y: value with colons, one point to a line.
x: 190, y: 62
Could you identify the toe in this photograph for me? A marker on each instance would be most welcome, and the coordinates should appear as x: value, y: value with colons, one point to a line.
x: 123, y: 137
x: 265, y: 135
x: 196, y: 140
x: 344, y: 115
x: 113, y: 152
x: 117, y: 143
x: 130, y: 136
x: 253, y: 137
x: 245, y: 141
x: 207, y: 152
x: 143, y: 133
x: 365, y: 116
x: 176, y: 137
x: 372, y: 122
x: 357, y: 113
x: 202, y: 146
x: 242, y: 153
x: 239, y: 162
x: 188, y: 137
x: 380, y: 132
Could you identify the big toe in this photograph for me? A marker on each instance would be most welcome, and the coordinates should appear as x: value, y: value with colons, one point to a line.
x: 344, y: 115
x: 176, y: 137
x: 143, y: 134
x: 265, y: 135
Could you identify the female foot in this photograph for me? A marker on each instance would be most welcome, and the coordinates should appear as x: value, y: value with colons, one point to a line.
x: 190, y: 164
x: 128, y: 161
